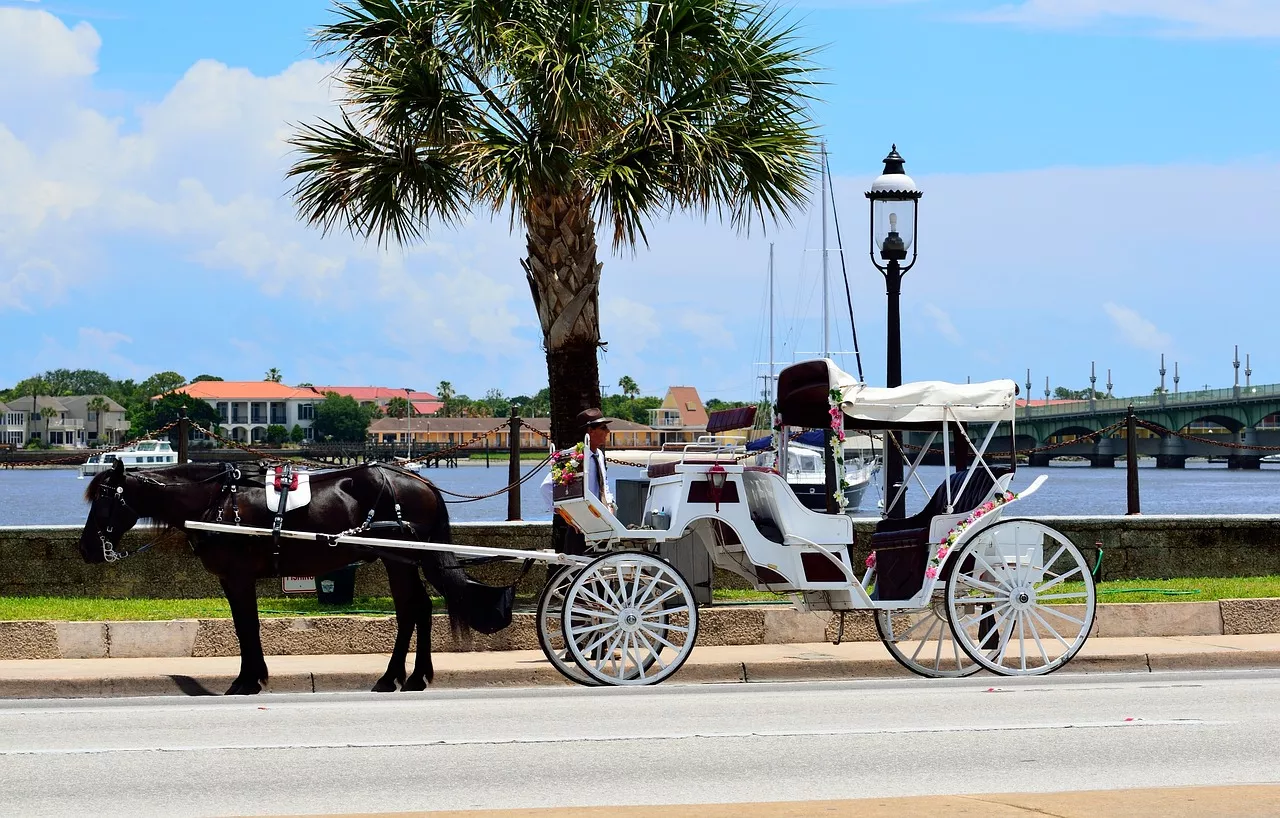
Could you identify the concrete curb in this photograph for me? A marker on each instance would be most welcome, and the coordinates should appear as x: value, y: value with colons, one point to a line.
x: 77, y: 679
x: 719, y: 626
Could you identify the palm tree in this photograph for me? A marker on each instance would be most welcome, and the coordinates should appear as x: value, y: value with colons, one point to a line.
x: 273, y: 375
x: 98, y: 405
x: 445, y: 393
x: 630, y: 389
x: 48, y: 413
x: 563, y: 115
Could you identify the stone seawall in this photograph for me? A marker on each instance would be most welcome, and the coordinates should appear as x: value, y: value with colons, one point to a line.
x: 43, y: 561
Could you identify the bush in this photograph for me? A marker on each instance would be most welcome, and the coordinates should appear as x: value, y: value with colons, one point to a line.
x: 277, y: 434
x: 297, y: 434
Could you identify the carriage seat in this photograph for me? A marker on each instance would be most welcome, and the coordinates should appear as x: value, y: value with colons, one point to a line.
x: 902, y: 545
x: 778, y: 513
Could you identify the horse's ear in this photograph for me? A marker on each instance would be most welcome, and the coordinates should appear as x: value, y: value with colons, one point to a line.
x: 117, y: 468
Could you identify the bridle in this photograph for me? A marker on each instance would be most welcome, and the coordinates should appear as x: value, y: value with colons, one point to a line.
x: 112, y: 497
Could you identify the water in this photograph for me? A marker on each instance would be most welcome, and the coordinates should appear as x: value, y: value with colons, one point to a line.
x: 55, y: 497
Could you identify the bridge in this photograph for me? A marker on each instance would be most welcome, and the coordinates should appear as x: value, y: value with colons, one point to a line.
x: 1247, y: 413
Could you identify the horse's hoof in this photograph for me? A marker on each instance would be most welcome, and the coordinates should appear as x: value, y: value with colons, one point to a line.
x: 243, y: 689
x: 414, y: 683
x: 384, y: 685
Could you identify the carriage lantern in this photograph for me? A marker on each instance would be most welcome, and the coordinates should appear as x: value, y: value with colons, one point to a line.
x: 716, y: 476
x: 895, y: 202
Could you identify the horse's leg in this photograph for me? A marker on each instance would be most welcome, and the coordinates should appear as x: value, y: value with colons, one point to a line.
x: 423, y: 672
x: 401, y: 578
x: 243, y: 598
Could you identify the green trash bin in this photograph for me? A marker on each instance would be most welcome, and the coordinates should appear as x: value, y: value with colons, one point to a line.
x: 338, y: 587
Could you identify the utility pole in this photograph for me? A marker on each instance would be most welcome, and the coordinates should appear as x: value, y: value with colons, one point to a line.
x: 1175, y: 377
x: 1162, y: 371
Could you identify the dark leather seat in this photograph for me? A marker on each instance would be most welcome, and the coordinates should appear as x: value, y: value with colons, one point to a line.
x: 902, y: 545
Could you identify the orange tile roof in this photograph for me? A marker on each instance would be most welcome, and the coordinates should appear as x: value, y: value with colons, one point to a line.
x: 243, y: 390
x: 375, y: 393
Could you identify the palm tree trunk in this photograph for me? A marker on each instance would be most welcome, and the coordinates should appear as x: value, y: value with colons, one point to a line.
x: 564, y: 278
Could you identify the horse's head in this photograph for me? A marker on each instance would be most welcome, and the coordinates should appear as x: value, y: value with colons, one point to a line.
x: 110, y: 516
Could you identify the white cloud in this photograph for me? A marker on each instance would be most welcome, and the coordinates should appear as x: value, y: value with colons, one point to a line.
x: 1135, y: 329
x: 38, y: 46
x: 92, y: 348
x: 1197, y: 18
x: 943, y: 324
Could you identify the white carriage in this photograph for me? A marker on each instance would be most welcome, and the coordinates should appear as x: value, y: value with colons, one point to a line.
x: 955, y: 588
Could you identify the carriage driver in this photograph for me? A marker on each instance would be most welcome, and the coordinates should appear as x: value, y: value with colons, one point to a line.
x: 596, y: 427
x: 595, y: 480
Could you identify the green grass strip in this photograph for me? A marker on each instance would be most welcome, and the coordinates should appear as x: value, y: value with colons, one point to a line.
x: 1205, y: 589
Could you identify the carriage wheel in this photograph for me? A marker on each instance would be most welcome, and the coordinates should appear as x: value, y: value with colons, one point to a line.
x: 1006, y: 594
x: 922, y: 642
x: 629, y: 619
x: 551, y: 630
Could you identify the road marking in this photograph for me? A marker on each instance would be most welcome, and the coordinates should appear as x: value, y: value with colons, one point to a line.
x: 853, y: 731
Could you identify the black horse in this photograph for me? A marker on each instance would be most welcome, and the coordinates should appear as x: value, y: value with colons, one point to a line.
x: 375, y: 500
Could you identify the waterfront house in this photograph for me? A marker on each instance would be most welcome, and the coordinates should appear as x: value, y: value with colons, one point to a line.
x: 13, y: 425
x: 681, y: 418
x: 107, y: 426
x: 246, y: 408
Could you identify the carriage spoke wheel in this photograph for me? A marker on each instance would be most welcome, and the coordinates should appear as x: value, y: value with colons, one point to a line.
x: 1021, y: 598
x: 551, y: 629
x: 922, y: 642
x: 629, y: 619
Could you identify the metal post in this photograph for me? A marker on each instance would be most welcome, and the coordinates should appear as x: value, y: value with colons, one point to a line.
x: 1247, y: 371
x: 184, y: 431
x: 513, y: 466
x: 1093, y: 379
x: 1163, y: 400
x: 1028, y: 406
x: 1175, y: 377
x: 1131, y: 461
x: 1235, y: 390
x: 893, y: 377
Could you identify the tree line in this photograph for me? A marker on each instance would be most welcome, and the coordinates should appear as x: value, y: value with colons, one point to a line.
x: 337, y: 418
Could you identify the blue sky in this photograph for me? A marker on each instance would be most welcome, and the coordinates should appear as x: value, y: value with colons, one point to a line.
x: 1100, y: 185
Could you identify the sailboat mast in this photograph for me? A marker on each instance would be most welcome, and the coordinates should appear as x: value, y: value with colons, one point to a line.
x: 769, y: 390
x: 826, y: 341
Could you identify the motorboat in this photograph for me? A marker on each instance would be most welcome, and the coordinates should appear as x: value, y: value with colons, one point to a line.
x: 806, y: 471
x: 145, y: 454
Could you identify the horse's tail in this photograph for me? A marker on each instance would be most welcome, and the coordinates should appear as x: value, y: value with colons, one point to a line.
x: 471, y: 604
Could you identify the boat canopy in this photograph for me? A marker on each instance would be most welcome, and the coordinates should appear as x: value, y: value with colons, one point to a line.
x: 804, y: 391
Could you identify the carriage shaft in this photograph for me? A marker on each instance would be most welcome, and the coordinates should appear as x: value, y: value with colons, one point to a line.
x: 541, y: 555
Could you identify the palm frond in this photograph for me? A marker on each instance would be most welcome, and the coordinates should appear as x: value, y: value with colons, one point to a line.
x: 375, y: 187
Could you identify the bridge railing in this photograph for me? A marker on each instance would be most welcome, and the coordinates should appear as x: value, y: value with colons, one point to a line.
x: 1120, y: 405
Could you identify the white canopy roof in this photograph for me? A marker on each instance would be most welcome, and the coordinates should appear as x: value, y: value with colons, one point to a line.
x: 924, y: 401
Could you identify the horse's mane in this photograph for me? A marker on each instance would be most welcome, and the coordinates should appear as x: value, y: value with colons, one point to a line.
x: 191, y: 472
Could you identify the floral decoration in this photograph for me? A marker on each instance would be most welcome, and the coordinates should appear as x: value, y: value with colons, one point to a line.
x: 948, y: 542
x: 837, y: 447
x: 566, y: 465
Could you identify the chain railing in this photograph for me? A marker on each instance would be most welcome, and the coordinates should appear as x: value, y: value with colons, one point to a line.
x: 1162, y: 430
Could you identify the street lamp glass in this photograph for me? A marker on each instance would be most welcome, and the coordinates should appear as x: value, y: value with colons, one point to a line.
x: 893, y: 216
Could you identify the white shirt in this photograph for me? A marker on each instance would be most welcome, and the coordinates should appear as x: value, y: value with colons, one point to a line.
x: 593, y: 462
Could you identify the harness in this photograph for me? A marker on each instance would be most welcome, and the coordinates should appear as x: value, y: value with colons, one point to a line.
x: 109, y: 552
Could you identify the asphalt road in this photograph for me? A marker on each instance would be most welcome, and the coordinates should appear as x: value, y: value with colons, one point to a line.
x: 674, y: 744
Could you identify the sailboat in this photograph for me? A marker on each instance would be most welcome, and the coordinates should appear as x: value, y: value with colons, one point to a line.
x: 805, y: 467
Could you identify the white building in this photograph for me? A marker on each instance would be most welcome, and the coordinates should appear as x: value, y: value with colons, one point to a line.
x: 247, y: 408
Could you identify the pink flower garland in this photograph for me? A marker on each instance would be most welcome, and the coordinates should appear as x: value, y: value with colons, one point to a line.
x: 948, y: 542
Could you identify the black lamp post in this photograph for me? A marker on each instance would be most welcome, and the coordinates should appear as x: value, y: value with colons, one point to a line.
x: 895, y: 202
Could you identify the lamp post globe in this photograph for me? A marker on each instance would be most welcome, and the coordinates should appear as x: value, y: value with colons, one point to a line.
x: 895, y: 204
